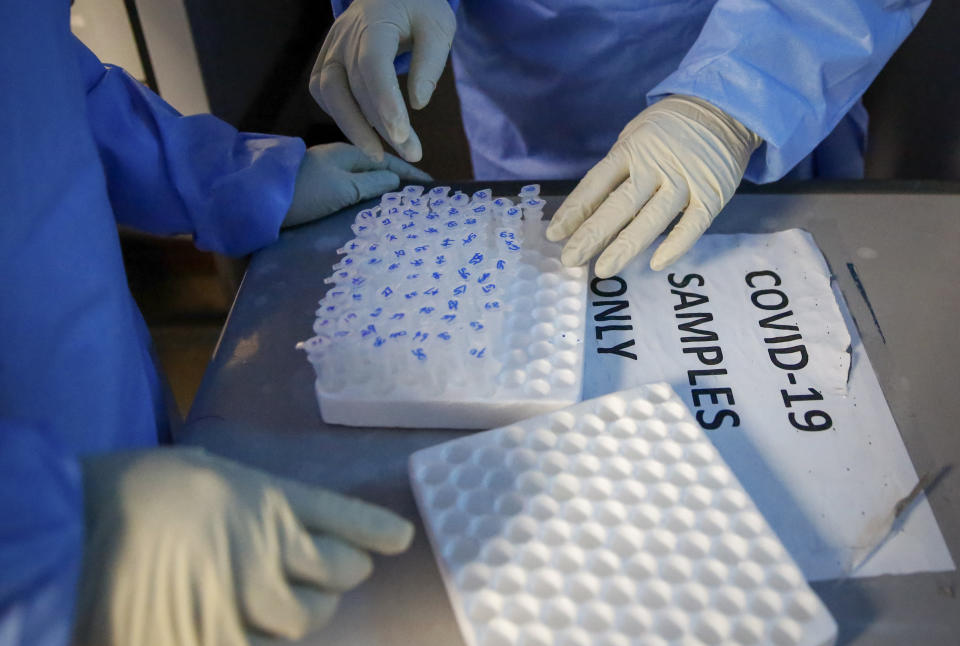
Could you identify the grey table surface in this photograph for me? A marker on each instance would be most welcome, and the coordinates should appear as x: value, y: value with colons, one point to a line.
x: 904, y: 249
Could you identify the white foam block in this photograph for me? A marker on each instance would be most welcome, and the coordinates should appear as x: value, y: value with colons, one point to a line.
x: 614, y: 521
x: 449, y: 312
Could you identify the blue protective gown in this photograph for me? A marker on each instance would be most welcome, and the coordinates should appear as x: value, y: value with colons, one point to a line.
x: 546, y: 86
x: 83, y: 147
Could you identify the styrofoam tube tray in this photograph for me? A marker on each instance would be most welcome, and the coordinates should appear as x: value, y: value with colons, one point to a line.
x: 614, y: 521
x: 449, y: 311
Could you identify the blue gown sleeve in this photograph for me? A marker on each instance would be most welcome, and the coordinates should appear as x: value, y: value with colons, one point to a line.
x: 790, y: 70
x: 41, y: 537
x: 73, y: 375
x: 168, y: 173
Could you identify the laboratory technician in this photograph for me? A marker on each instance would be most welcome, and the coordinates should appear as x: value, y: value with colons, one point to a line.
x: 106, y: 539
x: 664, y: 104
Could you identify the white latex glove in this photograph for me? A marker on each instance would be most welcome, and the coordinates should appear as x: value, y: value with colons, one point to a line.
x: 680, y: 154
x: 185, y: 548
x: 355, y: 82
x: 334, y: 176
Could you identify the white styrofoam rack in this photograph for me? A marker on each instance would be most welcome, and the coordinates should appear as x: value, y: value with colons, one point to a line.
x: 449, y: 311
x: 612, y: 522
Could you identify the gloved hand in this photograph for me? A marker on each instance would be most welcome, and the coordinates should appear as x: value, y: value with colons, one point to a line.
x: 354, y: 80
x: 333, y: 176
x: 680, y: 154
x: 185, y: 548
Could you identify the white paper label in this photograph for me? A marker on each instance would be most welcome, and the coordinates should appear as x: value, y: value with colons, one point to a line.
x: 748, y: 329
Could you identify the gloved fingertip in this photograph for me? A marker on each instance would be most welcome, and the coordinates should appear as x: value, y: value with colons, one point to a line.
x: 660, y: 260
x: 564, y: 222
x: 606, y: 266
x: 421, y: 175
x: 361, y: 571
x: 399, y: 540
x: 410, y: 151
x: 421, y: 94
x: 556, y: 230
x: 571, y: 257
x: 411, y: 173
x: 399, y: 132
